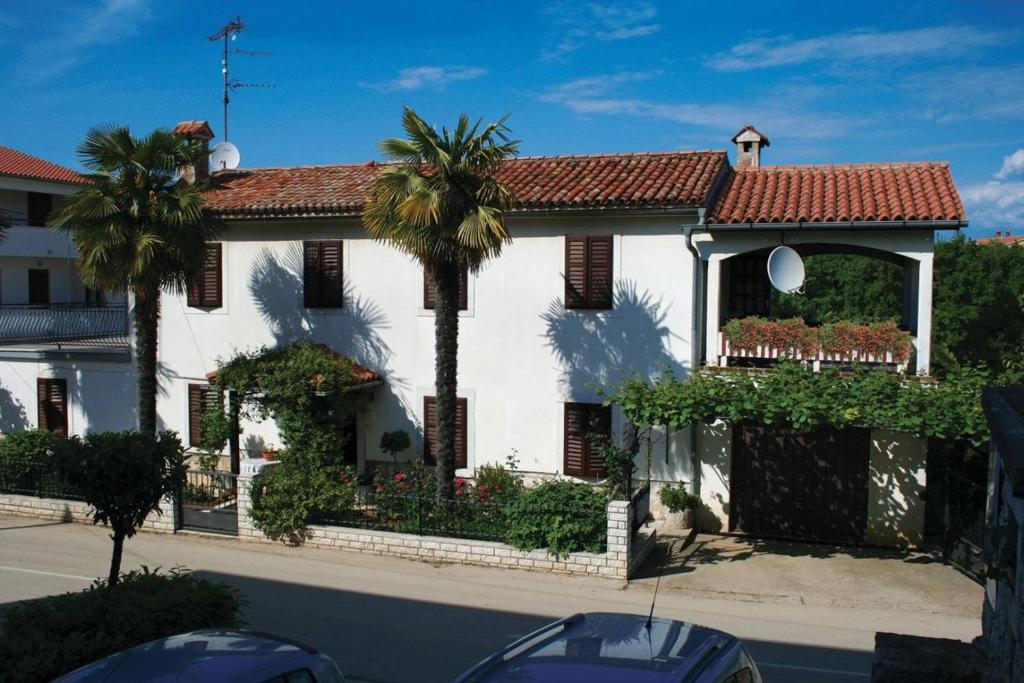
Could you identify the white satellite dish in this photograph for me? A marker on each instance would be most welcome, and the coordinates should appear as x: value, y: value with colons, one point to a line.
x: 224, y: 156
x: 786, y: 270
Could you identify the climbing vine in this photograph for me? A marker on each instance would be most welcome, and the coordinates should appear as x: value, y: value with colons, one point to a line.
x: 301, y: 387
x: 800, y: 398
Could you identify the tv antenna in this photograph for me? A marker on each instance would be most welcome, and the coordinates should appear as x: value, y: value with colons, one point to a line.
x: 229, y: 33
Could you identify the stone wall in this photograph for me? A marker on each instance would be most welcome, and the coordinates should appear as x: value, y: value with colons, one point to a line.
x: 616, y: 563
x: 79, y: 512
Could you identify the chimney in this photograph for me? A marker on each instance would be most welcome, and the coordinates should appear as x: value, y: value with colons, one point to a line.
x: 196, y: 133
x: 999, y: 233
x: 749, y: 143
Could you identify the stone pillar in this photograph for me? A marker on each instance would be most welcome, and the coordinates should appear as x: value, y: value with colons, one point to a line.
x: 714, y: 310
x: 244, y: 501
x: 620, y: 535
x: 167, y: 520
x: 924, y: 314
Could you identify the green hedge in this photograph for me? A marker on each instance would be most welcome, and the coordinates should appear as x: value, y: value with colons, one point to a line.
x: 44, y: 638
x: 563, y: 517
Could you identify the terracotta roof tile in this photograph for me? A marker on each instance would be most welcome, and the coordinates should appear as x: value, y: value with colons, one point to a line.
x: 665, y: 180
x: 197, y: 129
x: 1002, y: 239
x: 21, y: 165
x: 825, y: 194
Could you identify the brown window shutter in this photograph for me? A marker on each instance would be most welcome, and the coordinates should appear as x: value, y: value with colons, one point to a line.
x: 332, y: 283
x: 600, y: 422
x: 461, y: 451
x: 311, y: 294
x: 429, y: 429
x: 195, y: 415
x: 599, y: 271
x: 575, y: 456
x: 205, y: 290
x: 575, y: 271
x: 52, y: 395
x: 430, y: 296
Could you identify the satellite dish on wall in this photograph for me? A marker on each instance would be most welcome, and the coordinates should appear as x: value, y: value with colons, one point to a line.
x: 224, y: 156
x: 786, y: 270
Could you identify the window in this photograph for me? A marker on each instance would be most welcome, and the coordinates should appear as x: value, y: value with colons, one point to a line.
x: 95, y: 297
x: 53, y: 405
x: 38, y: 286
x: 429, y: 298
x: 430, y: 431
x: 588, y: 271
x: 750, y: 291
x: 205, y: 290
x: 323, y: 283
x: 201, y: 397
x: 39, y: 207
x: 582, y: 420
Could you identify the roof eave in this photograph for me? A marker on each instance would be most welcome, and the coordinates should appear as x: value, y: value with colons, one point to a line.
x: 37, y: 179
x: 842, y: 225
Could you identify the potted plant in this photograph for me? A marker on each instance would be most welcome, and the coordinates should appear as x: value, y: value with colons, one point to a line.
x: 269, y: 452
x: 681, y: 505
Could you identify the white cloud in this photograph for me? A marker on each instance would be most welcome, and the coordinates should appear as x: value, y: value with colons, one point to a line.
x: 1013, y: 164
x: 427, y: 77
x: 859, y: 45
x: 577, y: 25
x: 786, y: 118
x: 995, y: 203
x: 69, y: 37
x: 967, y: 93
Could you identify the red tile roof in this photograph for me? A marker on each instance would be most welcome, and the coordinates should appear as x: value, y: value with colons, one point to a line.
x: 825, y: 194
x: 196, y: 129
x: 1002, y: 239
x: 668, y: 180
x: 21, y: 165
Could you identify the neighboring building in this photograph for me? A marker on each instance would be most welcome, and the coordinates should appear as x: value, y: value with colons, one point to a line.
x: 64, y: 349
x: 1001, y: 237
x: 1003, y: 612
x: 619, y: 264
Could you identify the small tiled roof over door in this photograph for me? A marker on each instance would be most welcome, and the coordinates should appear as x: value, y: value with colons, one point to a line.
x: 20, y: 165
x: 897, y: 192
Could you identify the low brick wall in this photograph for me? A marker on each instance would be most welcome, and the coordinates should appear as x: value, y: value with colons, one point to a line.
x: 615, y: 563
x: 79, y: 512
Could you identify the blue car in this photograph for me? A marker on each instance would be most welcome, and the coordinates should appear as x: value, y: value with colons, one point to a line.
x: 619, y: 647
x: 223, y: 656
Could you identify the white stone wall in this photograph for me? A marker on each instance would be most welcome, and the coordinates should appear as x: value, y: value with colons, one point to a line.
x: 79, y: 512
x: 616, y: 563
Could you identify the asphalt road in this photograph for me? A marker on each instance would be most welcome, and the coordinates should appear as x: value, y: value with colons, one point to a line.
x: 389, y: 620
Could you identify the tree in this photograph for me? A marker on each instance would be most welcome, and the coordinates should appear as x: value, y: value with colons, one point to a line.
x: 442, y: 204
x: 123, y: 476
x: 140, y: 227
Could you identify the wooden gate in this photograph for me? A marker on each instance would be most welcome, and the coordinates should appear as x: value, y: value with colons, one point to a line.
x: 805, y: 485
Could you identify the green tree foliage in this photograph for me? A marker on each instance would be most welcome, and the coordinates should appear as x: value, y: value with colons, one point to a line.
x: 123, y: 476
x: 46, y: 638
x: 140, y: 227
x: 850, y: 287
x: 442, y: 204
x: 979, y: 304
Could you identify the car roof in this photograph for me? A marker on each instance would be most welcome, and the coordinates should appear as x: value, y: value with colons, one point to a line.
x: 602, y: 647
x: 208, y: 655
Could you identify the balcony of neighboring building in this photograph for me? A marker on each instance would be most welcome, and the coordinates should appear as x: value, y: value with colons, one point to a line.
x: 25, y: 214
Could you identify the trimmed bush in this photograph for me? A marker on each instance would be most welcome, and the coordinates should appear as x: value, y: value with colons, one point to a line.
x: 562, y: 516
x: 29, y: 465
x: 45, y: 638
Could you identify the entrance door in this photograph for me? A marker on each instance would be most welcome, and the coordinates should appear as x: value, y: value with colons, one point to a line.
x: 799, y: 485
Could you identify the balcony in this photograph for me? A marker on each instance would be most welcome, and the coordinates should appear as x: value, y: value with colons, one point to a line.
x: 841, y: 344
x: 65, y: 325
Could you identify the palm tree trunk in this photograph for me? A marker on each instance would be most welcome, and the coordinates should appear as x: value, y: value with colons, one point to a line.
x: 446, y: 350
x: 147, y: 320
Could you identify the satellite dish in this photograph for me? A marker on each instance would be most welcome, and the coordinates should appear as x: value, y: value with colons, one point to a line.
x: 224, y: 156
x: 786, y: 270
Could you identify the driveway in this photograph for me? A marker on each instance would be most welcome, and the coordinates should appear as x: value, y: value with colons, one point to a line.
x: 785, y: 572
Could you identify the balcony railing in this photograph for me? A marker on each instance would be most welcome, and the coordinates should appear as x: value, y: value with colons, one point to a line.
x: 64, y: 323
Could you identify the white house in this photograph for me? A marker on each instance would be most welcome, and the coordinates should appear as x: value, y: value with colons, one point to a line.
x: 619, y: 263
x: 64, y: 349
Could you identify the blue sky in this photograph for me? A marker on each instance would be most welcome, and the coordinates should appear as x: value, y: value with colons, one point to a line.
x: 827, y: 82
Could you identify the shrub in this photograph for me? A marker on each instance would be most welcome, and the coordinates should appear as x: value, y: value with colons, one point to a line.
x: 45, y: 638
x: 497, y: 484
x: 288, y: 497
x: 26, y: 458
x: 562, y: 516
x: 123, y: 476
x: 677, y: 499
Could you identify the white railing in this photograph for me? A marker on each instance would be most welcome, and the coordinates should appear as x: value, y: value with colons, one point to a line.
x: 815, y: 358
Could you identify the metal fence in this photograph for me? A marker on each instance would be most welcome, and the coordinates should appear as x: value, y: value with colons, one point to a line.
x: 35, y: 478
x: 208, y: 501
x: 63, y: 323
x: 641, y: 504
x: 456, y: 518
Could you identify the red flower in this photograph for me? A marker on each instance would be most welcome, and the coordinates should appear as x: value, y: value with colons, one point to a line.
x: 400, y: 476
x: 379, y: 489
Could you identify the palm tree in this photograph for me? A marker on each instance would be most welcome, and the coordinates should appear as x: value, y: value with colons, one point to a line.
x: 141, y: 227
x: 442, y: 204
